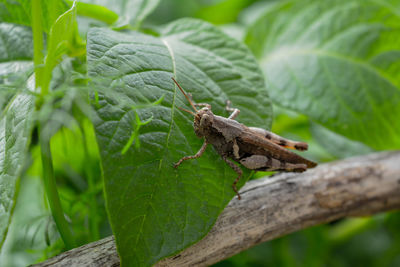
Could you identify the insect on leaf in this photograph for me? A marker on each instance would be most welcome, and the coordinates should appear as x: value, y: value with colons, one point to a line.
x: 154, y: 209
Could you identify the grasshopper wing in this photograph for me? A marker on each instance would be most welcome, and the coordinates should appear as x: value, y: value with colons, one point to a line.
x: 255, y: 140
x: 279, y: 140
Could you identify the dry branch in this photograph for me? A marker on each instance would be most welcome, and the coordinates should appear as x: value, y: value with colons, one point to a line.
x: 273, y: 207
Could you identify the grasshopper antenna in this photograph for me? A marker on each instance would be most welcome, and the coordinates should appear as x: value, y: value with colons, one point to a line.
x: 186, y: 110
x: 183, y: 92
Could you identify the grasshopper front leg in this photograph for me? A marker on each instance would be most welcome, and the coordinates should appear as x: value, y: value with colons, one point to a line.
x: 197, y: 155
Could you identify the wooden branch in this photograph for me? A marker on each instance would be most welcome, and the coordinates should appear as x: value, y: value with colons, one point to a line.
x: 273, y: 207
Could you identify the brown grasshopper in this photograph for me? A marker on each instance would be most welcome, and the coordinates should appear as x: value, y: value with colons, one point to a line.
x: 254, y: 148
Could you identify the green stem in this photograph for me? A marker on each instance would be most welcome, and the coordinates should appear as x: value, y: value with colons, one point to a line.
x: 93, y: 219
x: 38, y: 47
x: 52, y: 193
x: 94, y: 225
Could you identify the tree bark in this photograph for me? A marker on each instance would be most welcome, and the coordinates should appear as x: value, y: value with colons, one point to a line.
x: 275, y: 206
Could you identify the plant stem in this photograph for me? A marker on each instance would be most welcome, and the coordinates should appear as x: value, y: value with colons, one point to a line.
x: 93, y: 213
x: 47, y: 163
x: 37, y: 29
x: 52, y: 193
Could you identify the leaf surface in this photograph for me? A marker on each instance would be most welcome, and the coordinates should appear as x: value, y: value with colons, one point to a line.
x: 15, y: 59
x: 16, y: 120
x: 156, y: 210
x: 15, y: 132
x: 337, y: 62
x: 337, y: 145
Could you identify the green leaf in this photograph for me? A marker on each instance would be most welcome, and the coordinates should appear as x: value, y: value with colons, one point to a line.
x: 336, y: 144
x: 15, y: 44
x: 19, y: 11
x: 154, y: 209
x: 63, y: 38
x: 93, y: 11
x: 16, y: 121
x: 15, y: 59
x: 231, y: 9
x: 15, y: 131
x: 337, y: 62
x: 131, y: 12
x: 15, y: 51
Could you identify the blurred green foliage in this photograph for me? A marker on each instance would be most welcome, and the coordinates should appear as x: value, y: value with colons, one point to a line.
x: 370, y: 241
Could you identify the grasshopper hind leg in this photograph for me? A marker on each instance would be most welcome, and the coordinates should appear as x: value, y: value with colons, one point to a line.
x: 290, y: 167
x: 278, y: 165
x: 238, y: 170
x: 265, y: 163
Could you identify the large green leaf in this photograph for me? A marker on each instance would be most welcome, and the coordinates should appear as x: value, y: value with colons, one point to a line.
x: 19, y: 11
x: 16, y: 119
x: 154, y: 209
x: 15, y: 131
x: 337, y: 62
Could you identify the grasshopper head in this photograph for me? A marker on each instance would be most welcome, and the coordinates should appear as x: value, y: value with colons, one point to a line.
x: 203, y: 119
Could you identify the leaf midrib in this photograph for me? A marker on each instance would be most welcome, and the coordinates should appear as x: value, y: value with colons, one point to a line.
x: 148, y: 202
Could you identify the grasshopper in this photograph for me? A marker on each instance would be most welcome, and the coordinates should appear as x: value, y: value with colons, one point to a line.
x: 254, y: 148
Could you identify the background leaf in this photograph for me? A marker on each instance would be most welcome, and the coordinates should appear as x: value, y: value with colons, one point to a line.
x: 130, y: 12
x: 336, y: 144
x: 19, y: 11
x: 231, y: 9
x: 337, y: 62
x: 15, y: 45
x: 156, y: 210
x: 15, y: 59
